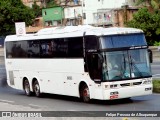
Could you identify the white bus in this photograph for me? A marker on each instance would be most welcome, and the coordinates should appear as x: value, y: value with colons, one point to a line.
x: 81, y: 61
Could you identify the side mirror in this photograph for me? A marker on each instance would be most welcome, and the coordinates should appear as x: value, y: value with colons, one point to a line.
x: 150, y: 56
x: 97, y: 81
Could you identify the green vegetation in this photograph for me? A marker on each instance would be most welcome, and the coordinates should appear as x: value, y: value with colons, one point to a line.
x: 148, y: 22
x: 37, y: 10
x: 156, y: 86
x: 147, y: 19
x: 50, y: 3
x: 153, y: 4
x: 156, y: 43
x: 12, y: 11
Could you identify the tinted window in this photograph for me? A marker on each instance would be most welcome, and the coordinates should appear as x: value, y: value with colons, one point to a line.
x: 33, y: 49
x: 47, y: 48
x: 61, y: 47
x: 115, y: 41
x: 75, y: 47
x: 91, y: 42
x: 50, y: 48
x: 16, y: 49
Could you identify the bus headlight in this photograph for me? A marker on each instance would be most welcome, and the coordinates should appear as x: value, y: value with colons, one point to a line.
x: 114, y: 86
x: 147, y: 81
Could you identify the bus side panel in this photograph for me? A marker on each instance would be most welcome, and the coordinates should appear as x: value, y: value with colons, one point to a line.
x: 51, y: 82
x: 17, y: 80
x: 98, y: 91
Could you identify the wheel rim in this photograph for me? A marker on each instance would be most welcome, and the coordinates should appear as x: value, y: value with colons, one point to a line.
x: 27, y: 87
x: 86, y: 95
x: 37, y: 89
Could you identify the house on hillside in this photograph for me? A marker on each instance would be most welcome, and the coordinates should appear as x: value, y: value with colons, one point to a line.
x: 52, y: 16
x: 93, y: 12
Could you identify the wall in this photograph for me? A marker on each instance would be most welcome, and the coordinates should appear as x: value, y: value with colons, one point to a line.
x: 72, y: 12
x: 91, y: 6
x: 156, y: 53
x: 52, y: 14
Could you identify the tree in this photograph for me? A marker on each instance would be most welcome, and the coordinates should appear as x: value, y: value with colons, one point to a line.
x: 12, y: 11
x: 153, y: 4
x: 51, y: 3
x: 37, y: 10
x: 148, y: 22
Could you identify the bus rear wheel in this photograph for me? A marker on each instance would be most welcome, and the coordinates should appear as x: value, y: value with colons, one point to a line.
x: 27, y: 87
x: 36, y: 89
x: 85, y: 94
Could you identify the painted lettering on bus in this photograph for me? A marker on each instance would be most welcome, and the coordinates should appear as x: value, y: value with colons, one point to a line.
x: 69, y: 77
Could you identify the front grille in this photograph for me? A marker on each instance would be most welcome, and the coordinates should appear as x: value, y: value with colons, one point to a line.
x: 130, y: 84
x: 125, y: 84
x: 137, y: 83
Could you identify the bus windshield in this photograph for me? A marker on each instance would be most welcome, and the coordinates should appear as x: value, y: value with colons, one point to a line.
x: 126, y: 64
x: 118, y: 41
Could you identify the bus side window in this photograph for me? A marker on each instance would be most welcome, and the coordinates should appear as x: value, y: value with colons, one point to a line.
x: 19, y: 49
x: 75, y: 47
x: 48, y: 48
x: 91, y: 43
x: 33, y: 49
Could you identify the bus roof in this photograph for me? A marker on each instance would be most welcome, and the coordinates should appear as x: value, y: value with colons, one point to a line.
x: 73, y: 31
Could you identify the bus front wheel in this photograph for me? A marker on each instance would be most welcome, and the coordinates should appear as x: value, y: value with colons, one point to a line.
x: 27, y: 87
x: 85, y: 94
x: 36, y: 89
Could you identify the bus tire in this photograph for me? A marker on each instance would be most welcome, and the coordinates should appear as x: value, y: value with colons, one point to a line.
x: 36, y: 89
x: 27, y: 87
x: 85, y: 94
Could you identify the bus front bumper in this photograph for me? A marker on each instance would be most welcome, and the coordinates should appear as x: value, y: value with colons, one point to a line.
x: 127, y: 92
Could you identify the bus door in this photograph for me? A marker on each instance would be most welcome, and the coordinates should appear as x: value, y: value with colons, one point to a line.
x: 94, y: 65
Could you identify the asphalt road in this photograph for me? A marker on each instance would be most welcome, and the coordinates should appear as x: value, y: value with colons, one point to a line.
x: 155, y: 67
x: 73, y: 106
x: 62, y: 103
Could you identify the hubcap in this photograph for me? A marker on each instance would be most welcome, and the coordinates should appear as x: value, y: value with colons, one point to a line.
x: 86, y: 95
x: 37, y: 89
x: 27, y: 89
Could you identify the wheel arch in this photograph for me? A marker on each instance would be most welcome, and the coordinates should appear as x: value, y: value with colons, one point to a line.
x: 81, y: 84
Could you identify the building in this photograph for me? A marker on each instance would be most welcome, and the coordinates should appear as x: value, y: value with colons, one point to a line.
x: 72, y: 15
x: 93, y: 12
x: 91, y: 7
x: 52, y: 16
